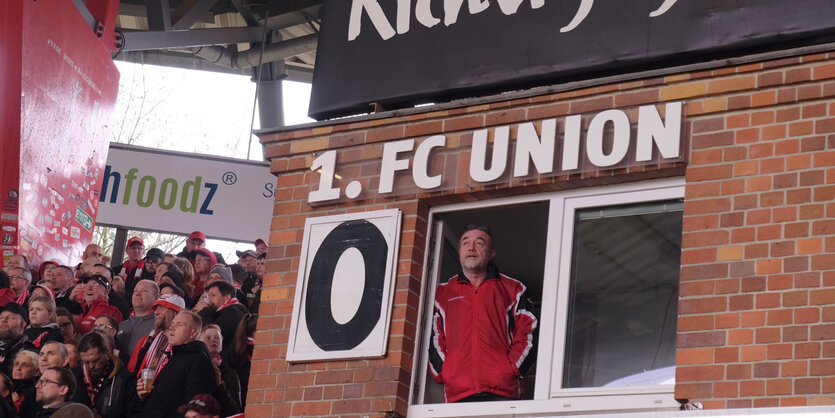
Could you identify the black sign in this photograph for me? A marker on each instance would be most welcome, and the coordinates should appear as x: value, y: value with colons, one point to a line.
x: 403, y: 52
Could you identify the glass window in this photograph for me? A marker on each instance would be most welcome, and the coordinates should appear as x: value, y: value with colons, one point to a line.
x: 623, y: 296
x: 602, y: 265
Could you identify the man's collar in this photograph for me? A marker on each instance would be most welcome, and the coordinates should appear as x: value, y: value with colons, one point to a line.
x: 492, y: 274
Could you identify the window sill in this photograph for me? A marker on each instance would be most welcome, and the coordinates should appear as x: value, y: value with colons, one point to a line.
x: 574, y: 401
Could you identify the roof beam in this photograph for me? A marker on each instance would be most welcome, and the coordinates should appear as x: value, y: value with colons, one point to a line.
x: 149, y: 40
x: 188, y: 12
x: 245, y: 12
x: 159, y: 15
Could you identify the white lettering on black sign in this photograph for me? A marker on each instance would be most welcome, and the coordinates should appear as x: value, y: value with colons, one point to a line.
x: 452, y: 8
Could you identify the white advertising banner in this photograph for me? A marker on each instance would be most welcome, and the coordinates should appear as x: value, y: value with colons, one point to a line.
x: 167, y: 191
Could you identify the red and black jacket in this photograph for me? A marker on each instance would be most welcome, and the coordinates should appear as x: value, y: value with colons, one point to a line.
x: 482, y: 338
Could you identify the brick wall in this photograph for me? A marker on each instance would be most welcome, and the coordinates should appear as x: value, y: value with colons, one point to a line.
x: 757, y: 270
x: 754, y: 296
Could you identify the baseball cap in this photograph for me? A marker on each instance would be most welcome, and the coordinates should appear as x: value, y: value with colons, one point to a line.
x: 171, y: 301
x: 155, y: 253
x: 135, y: 240
x: 46, y: 289
x: 260, y: 241
x: 197, y: 235
x: 247, y: 253
x: 13, y: 307
x: 98, y: 278
x: 203, y: 404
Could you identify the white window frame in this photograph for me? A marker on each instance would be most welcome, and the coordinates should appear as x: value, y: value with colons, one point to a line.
x: 549, y: 396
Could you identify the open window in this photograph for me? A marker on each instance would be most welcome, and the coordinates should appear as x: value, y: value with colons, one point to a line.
x: 602, y: 266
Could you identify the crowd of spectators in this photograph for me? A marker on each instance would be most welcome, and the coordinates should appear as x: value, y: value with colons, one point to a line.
x: 162, y: 335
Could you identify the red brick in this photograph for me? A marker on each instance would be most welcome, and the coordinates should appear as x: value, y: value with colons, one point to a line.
x: 752, y: 388
x: 807, y: 386
x: 694, y: 356
x: 807, y: 315
x: 351, y: 406
x: 779, y: 387
x: 699, y: 373
x: 702, y: 305
x: 752, y: 318
x: 726, y: 355
x: 725, y: 389
x: 766, y: 370
x: 767, y: 335
x: 739, y: 371
x: 696, y: 323
x: 701, y: 339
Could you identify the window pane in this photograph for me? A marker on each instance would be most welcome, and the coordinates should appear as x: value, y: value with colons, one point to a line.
x: 621, y: 327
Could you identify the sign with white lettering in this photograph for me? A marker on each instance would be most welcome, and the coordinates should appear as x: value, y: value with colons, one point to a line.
x: 345, y: 287
x: 177, y: 192
x: 403, y: 52
x: 612, y: 138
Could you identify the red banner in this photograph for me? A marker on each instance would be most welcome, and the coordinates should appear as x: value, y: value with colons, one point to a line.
x: 68, y: 85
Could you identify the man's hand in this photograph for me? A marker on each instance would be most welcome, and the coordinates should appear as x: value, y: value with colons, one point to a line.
x: 140, y: 389
x: 76, y: 291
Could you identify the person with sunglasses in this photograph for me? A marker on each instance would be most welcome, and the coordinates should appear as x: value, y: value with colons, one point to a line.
x: 483, y: 326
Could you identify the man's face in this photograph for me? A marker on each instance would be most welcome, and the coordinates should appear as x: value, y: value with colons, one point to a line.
x: 261, y: 248
x: 18, y: 279
x: 47, y: 389
x: 163, y: 317
x: 11, y: 325
x: 151, y: 264
x: 161, y: 269
x: 61, y: 279
x: 16, y: 261
x: 216, y: 298
x: 93, y: 251
x: 143, y: 296
x: 96, y: 361
x: 94, y: 291
x: 476, y: 250
x: 67, y: 327
x: 194, y: 244
x: 248, y: 263
x: 260, y: 267
x: 135, y: 252
x: 50, y: 356
x: 104, y: 325
x: 182, y: 330
x: 87, y: 266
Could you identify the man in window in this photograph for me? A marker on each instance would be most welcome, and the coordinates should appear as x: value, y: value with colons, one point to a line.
x: 482, y: 328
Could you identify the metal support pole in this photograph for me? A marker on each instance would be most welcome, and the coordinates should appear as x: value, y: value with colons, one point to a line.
x: 271, y: 98
x: 119, y: 247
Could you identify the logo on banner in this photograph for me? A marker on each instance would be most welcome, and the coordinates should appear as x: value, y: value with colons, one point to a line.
x: 84, y: 219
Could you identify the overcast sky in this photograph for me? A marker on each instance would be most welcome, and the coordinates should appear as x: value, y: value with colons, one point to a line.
x: 196, y: 111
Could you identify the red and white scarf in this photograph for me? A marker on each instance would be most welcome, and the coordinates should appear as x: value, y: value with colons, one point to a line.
x: 228, y: 302
x: 22, y: 298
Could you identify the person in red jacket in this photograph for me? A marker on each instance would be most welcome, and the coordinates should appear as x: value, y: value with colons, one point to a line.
x: 482, y: 328
x: 96, y: 288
